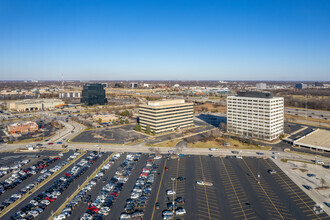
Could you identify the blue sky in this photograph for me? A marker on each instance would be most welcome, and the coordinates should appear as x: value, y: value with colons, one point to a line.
x: 165, y: 40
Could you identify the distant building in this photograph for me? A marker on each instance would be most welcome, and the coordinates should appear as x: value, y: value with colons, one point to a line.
x: 166, y: 115
x: 69, y: 95
x: 301, y: 86
x: 119, y: 85
x: 255, y: 114
x: 133, y: 85
x: 34, y: 104
x: 93, y: 93
x: 261, y: 86
x: 26, y: 127
x: 104, y: 118
x: 319, y: 84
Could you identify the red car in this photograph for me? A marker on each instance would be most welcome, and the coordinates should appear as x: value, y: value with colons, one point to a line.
x: 93, y: 208
x: 114, y: 194
x: 68, y: 174
x: 50, y: 199
x: 56, y: 158
x: 50, y: 143
x: 166, y: 169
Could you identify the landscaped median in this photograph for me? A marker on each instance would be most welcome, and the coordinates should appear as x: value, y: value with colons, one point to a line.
x: 59, y: 210
x: 170, y: 143
x: 226, y: 143
x: 13, y: 205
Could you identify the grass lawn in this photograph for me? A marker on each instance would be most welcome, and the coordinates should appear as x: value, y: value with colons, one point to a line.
x: 170, y: 143
x: 234, y: 144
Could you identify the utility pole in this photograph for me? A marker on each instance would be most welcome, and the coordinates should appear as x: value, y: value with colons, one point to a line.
x: 306, y: 107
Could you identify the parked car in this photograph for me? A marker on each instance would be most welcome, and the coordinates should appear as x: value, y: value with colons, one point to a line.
x: 307, y: 187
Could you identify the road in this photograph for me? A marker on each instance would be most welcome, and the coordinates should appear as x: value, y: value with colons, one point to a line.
x: 310, y: 113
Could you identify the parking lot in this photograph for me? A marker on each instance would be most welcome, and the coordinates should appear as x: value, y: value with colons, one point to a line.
x: 117, y: 135
x: 227, y: 188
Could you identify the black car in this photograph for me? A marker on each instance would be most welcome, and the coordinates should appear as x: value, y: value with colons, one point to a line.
x: 157, y: 205
x: 307, y: 187
x: 179, y: 200
x: 170, y: 206
x: 87, y: 199
x: 181, y: 178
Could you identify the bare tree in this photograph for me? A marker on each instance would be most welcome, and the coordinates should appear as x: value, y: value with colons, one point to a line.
x: 223, y: 126
x: 323, y: 182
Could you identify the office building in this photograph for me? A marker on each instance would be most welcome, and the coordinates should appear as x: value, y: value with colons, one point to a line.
x: 69, y: 95
x: 25, y: 127
x: 93, y: 94
x: 255, y: 114
x: 319, y: 84
x: 133, y: 85
x: 261, y: 86
x: 34, y: 104
x: 167, y: 115
x: 301, y: 86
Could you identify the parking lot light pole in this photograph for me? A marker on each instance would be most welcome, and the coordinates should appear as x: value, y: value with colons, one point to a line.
x: 173, y: 179
x: 258, y: 172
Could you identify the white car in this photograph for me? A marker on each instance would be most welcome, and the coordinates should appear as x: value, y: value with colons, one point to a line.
x: 157, y: 157
x: 60, y: 217
x: 34, y: 202
x: 213, y: 149
x: 274, y: 157
x: 46, y: 202
x: 180, y: 211
x: 125, y: 216
x: 202, y: 183
x: 239, y: 157
x: 44, y: 171
x: 170, y: 192
x: 320, y: 162
x: 33, y: 213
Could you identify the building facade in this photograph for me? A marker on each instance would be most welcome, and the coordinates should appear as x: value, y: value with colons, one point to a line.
x: 93, y: 94
x: 301, y: 86
x: 26, y: 127
x: 261, y: 86
x: 69, y: 95
x: 255, y: 114
x: 167, y: 115
x: 34, y: 104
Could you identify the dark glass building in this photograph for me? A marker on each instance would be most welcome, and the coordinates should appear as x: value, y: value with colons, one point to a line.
x: 93, y: 94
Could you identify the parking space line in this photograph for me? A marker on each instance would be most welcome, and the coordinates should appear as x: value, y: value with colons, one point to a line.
x: 294, y: 191
x: 160, y: 184
x: 207, y: 202
x: 270, y: 198
x: 239, y: 202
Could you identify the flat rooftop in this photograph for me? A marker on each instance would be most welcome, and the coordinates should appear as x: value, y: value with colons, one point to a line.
x: 166, y: 102
x: 255, y: 94
x: 319, y: 139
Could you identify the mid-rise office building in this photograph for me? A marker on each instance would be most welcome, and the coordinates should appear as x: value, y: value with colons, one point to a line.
x: 93, y: 93
x: 133, y: 85
x: 166, y: 115
x: 255, y: 114
x: 301, y: 86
